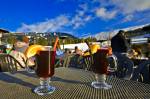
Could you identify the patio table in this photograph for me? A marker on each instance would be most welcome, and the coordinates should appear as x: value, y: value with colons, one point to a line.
x: 70, y: 83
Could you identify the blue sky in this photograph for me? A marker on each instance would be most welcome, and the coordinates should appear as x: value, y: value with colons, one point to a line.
x: 77, y: 17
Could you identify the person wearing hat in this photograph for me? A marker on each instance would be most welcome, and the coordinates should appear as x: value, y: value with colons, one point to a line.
x: 120, y: 47
x: 21, y: 43
x: 77, y: 51
x: 119, y: 43
x: 18, y: 49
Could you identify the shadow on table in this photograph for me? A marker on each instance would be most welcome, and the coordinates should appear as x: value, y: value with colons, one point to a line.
x: 54, y: 78
x: 28, y: 74
x: 10, y: 79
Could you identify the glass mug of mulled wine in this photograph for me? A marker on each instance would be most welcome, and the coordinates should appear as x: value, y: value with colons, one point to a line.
x: 100, y: 67
x: 45, y: 61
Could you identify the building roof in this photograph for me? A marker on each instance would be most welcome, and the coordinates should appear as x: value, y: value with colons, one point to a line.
x: 4, y: 31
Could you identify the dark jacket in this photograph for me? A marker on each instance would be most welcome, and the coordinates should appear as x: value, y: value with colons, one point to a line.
x: 119, y: 44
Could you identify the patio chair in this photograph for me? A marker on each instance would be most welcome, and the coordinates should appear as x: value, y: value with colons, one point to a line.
x: 73, y: 60
x: 8, y: 63
x: 112, y: 68
x: 63, y: 61
x: 77, y: 61
x: 66, y: 60
x: 88, y: 62
x: 124, y: 67
x: 142, y: 72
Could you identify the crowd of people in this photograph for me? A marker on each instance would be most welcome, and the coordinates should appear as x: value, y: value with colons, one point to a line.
x: 126, y: 56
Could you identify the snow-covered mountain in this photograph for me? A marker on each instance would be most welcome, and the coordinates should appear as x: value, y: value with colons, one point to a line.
x: 109, y: 34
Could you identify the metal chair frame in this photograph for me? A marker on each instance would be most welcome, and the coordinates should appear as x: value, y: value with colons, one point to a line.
x: 8, y: 63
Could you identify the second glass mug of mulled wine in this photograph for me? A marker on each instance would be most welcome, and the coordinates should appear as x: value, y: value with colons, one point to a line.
x: 100, y: 67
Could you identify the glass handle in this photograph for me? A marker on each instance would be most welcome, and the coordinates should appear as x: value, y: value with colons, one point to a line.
x: 115, y: 62
x: 27, y: 68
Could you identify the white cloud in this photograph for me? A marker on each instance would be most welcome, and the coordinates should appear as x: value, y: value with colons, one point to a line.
x: 87, y: 18
x: 57, y: 24
x: 79, y: 20
x: 126, y: 6
x: 49, y: 25
x: 84, y: 6
x: 81, y: 13
x: 131, y: 6
x: 76, y: 21
x: 127, y: 18
x: 87, y: 11
x: 104, y: 14
x: 81, y: 17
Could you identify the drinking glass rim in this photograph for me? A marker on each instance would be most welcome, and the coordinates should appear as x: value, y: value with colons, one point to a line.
x: 48, y: 48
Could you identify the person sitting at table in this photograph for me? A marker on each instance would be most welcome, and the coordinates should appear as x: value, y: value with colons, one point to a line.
x: 78, y: 51
x: 137, y: 53
x: 87, y: 56
x: 18, y: 50
x: 59, y: 52
x: 147, y: 53
x: 120, y: 47
x: 76, y: 58
x: 3, y: 48
x: 59, y: 56
x: 142, y: 72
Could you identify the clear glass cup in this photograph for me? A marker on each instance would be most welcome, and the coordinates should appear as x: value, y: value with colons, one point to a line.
x: 45, y: 61
x: 28, y: 68
x: 100, y: 67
